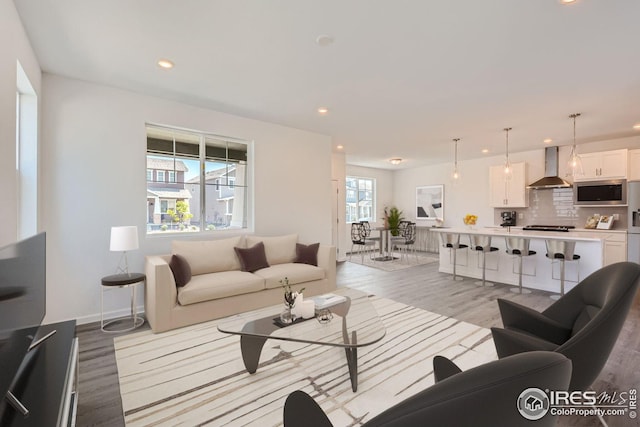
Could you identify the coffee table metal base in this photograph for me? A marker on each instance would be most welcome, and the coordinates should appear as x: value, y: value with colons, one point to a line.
x: 354, y: 325
x: 251, y: 348
x: 352, y: 362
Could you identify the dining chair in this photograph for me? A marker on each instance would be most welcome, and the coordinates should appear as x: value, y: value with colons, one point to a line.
x: 360, y: 241
x: 408, y: 242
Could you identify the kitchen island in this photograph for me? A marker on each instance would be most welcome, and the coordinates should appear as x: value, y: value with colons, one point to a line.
x: 538, y: 271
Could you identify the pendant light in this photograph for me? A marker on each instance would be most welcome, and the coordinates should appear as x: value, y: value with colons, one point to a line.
x: 507, y: 164
x: 575, y: 162
x: 456, y: 174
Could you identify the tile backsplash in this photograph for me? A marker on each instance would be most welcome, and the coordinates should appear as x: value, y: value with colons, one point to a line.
x: 555, y: 207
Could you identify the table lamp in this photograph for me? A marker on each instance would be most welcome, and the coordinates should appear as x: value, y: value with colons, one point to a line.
x: 124, y: 238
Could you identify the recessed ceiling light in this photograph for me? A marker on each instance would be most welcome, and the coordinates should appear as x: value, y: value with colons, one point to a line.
x: 323, y: 110
x: 324, y: 40
x: 340, y: 147
x: 548, y: 140
x: 485, y: 150
x: 395, y: 161
x: 165, y: 63
x: 567, y: 1
x: 636, y: 126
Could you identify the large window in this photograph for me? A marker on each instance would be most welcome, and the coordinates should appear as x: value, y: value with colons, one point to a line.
x: 360, y: 199
x: 201, y: 181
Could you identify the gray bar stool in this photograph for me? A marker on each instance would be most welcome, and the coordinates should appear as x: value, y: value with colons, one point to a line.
x: 482, y: 244
x: 562, y: 251
x: 451, y: 241
x: 519, y: 246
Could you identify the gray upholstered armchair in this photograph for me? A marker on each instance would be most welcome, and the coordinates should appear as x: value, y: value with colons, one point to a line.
x: 583, y: 325
x: 486, y: 395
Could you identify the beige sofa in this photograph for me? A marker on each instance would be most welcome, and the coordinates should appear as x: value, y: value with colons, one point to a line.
x: 218, y: 287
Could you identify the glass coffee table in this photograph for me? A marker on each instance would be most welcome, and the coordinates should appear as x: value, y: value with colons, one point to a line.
x: 354, y: 323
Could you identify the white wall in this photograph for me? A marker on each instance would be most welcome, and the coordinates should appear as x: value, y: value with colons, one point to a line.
x: 94, y: 178
x: 471, y: 194
x: 338, y: 176
x: 468, y: 196
x: 14, y: 47
x: 384, y: 186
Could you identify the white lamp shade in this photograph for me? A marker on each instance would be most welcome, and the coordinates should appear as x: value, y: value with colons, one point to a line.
x: 124, y: 238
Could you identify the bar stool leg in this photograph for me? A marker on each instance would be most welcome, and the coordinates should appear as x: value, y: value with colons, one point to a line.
x: 483, y: 282
x: 520, y: 289
x: 455, y: 256
x: 556, y: 296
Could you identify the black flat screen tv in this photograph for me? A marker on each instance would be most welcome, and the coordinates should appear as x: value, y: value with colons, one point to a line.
x: 22, y: 303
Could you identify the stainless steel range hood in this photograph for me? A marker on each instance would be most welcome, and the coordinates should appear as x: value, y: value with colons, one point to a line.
x: 551, y: 178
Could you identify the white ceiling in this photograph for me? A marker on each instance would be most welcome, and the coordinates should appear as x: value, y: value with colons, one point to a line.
x: 402, y: 78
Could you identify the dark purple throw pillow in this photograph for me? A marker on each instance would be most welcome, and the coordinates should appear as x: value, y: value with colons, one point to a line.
x: 181, y: 270
x: 307, y: 254
x: 253, y: 258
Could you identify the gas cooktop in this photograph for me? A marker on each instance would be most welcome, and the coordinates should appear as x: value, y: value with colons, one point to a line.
x: 561, y: 228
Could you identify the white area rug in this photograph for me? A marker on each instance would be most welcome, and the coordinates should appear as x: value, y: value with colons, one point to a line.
x: 406, y: 262
x: 195, y: 376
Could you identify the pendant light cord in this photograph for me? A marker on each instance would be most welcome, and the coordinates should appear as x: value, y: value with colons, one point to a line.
x: 455, y: 162
x: 574, y: 116
x: 507, y: 165
x: 456, y: 175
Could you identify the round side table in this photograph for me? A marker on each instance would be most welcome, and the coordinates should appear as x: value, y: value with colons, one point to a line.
x: 126, y: 280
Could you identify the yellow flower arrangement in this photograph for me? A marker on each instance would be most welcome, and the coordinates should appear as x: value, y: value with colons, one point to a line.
x: 470, y: 219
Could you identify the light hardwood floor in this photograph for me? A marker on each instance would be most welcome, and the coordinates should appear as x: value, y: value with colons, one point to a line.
x: 421, y: 286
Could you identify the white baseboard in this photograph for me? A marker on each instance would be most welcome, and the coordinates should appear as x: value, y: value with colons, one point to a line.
x: 114, y: 314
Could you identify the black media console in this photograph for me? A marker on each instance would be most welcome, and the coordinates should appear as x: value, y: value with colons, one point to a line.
x: 47, y: 384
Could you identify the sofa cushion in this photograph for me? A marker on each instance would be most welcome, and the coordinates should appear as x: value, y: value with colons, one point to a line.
x: 296, y: 273
x: 279, y: 249
x: 205, y: 287
x: 307, y: 254
x: 209, y: 256
x: 253, y: 258
x: 180, y: 269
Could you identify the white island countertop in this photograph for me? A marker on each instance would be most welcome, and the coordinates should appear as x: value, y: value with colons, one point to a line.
x: 577, y: 235
x: 539, y: 272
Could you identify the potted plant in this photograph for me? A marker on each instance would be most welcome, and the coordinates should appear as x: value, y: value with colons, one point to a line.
x: 393, y: 218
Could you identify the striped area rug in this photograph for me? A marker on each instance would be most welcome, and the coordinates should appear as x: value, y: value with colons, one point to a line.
x: 194, y: 376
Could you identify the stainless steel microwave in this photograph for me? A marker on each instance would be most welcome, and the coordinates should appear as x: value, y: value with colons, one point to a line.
x: 600, y: 193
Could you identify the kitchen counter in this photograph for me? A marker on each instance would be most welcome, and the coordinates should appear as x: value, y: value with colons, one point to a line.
x: 573, y: 235
x: 539, y: 272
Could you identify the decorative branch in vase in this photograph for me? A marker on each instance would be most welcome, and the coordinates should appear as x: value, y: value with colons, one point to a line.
x: 289, y: 300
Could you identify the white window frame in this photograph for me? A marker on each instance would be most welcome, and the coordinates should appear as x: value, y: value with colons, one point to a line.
x: 27, y: 169
x: 244, y: 192
x: 160, y: 176
x: 353, y: 210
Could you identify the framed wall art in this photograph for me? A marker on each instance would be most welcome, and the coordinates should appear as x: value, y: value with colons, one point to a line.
x: 430, y: 202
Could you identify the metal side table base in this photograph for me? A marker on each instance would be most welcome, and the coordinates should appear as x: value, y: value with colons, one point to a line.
x: 126, y: 280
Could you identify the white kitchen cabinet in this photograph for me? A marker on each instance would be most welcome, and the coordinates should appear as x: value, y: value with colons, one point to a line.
x: 604, y: 165
x: 508, y: 193
x: 634, y: 165
x: 615, y: 249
